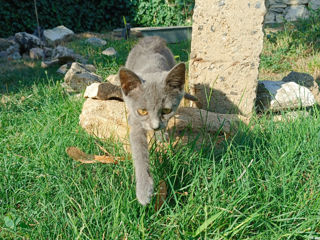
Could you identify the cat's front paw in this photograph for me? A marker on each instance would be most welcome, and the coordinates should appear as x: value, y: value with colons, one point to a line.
x: 144, y: 189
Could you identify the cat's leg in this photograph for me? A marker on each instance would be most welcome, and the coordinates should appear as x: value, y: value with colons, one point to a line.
x: 140, y: 155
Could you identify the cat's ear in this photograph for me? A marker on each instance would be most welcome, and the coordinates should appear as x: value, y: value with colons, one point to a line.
x: 128, y: 80
x: 176, y: 77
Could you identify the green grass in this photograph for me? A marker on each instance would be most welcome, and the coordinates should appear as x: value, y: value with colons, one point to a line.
x: 295, y: 48
x: 263, y: 183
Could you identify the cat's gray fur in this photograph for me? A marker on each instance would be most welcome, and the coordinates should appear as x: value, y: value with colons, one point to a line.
x: 151, y: 80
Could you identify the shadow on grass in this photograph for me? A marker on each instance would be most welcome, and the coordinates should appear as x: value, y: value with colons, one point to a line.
x: 22, y: 74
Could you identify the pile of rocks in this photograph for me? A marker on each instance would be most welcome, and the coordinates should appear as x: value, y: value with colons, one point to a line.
x: 23, y: 44
x: 289, y: 10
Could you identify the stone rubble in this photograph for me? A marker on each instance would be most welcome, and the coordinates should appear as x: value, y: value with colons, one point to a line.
x: 27, y: 41
x: 289, y: 10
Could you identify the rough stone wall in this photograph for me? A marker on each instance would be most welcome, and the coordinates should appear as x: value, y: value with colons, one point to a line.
x: 289, y: 10
x: 227, y: 40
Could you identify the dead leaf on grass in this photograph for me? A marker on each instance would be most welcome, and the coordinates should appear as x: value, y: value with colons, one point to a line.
x: 161, y: 195
x: 78, y: 155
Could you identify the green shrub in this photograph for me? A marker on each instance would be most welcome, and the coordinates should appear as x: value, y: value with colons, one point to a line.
x: 163, y: 13
x: 96, y: 15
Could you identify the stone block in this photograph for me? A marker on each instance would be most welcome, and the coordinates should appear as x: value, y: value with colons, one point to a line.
x: 57, y: 35
x: 108, y: 119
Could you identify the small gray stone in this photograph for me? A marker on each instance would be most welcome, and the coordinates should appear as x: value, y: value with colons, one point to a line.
x: 57, y: 35
x: 36, y: 53
x: 295, y: 2
x: 314, y: 4
x: 110, y: 52
x: 3, y: 54
x: 45, y: 64
x: 293, y: 13
x: 47, y: 52
x: 78, y: 77
x: 13, y: 48
x: 303, y: 79
x: 90, y: 67
x: 27, y: 41
x: 63, y: 69
x: 66, y: 55
x: 278, y: 8
x: 96, y: 41
x: 14, y: 56
x: 5, y: 44
x: 270, y: 17
x: 279, y: 18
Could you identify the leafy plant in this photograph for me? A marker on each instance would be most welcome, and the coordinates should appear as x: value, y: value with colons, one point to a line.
x: 96, y: 15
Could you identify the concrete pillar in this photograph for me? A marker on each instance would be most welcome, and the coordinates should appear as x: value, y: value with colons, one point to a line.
x: 227, y: 40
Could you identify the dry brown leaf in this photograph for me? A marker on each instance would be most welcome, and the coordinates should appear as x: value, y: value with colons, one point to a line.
x: 102, y: 149
x: 161, y: 195
x: 78, y: 155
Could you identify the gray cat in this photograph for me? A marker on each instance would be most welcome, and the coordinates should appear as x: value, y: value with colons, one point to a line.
x: 152, y: 86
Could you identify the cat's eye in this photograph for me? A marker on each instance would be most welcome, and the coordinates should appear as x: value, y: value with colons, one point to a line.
x: 166, y: 110
x: 142, y: 112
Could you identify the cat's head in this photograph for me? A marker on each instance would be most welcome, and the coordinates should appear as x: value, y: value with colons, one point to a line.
x: 154, y: 100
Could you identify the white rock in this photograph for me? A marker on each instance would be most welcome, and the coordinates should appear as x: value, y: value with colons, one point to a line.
x: 314, y: 4
x: 36, y: 53
x: 279, y: 95
x: 96, y: 41
x: 293, y: 13
x: 110, y: 52
x: 58, y: 34
x: 78, y: 77
x: 306, y: 80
